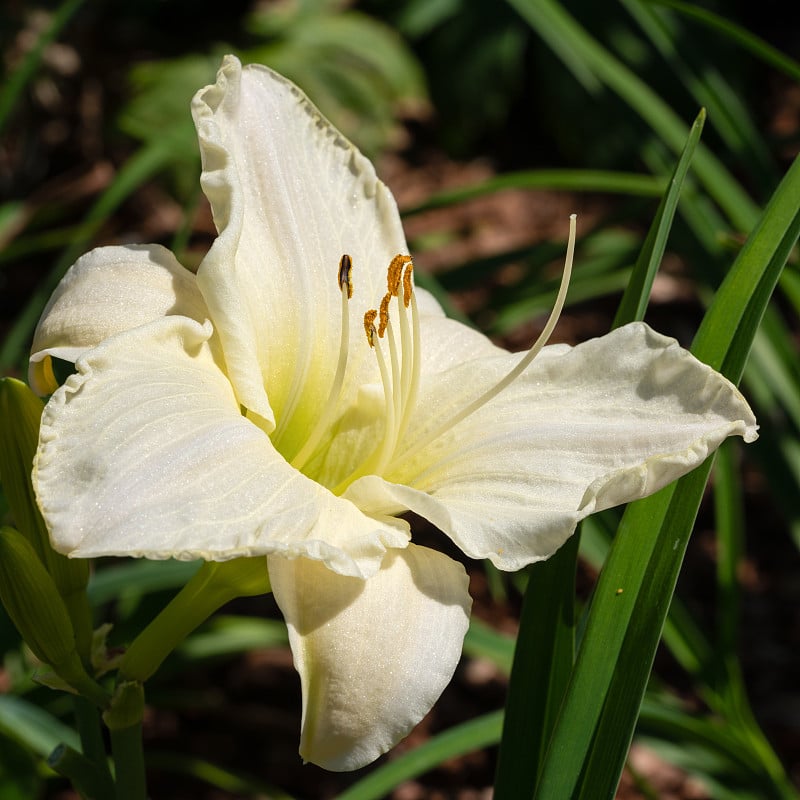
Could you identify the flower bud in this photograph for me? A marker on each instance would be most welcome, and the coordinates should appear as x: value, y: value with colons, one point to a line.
x: 38, y: 611
x: 20, y: 415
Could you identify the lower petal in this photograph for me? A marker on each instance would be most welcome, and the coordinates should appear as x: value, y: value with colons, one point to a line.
x: 374, y: 655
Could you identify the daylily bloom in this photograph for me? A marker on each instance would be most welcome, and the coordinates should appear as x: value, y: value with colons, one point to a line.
x: 246, y: 410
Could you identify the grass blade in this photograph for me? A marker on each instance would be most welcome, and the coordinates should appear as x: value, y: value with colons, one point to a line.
x: 637, y: 293
x: 543, y: 660
x: 473, y: 735
x: 562, y: 31
x: 576, y: 180
x: 749, y: 41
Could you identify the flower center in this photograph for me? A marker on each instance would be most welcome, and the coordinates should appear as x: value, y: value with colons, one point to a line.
x: 398, y: 356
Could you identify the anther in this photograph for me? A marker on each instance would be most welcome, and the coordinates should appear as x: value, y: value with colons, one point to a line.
x: 384, y: 314
x: 407, y: 282
x: 395, y: 273
x: 346, y: 274
x: 369, y: 326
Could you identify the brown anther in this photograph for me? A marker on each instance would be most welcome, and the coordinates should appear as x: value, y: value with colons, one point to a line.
x: 346, y: 274
x: 407, y: 282
x: 395, y: 273
x: 384, y: 314
x: 369, y: 326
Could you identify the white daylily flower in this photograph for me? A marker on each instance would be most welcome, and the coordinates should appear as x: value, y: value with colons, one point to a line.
x: 241, y: 412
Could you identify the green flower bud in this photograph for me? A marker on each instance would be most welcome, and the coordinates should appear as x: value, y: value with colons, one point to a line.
x: 20, y: 415
x: 35, y: 606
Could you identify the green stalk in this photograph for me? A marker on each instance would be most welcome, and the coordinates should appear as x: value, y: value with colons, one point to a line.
x: 87, y: 721
x: 213, y: 585
x: 126, y: 746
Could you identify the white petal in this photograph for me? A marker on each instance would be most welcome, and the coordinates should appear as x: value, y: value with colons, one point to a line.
x: 374, y: 655
x: 290, y: 195
x: 109, y: 290
x: 583, y: 429
x: 144, y: 452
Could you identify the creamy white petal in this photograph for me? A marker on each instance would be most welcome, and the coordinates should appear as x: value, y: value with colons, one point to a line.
x: 290, y: 195
x: 109, y: 290
x: 584, y: 428
x: 374, y: 655
x: 144, y: 452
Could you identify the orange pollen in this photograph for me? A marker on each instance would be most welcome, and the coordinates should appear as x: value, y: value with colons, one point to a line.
x: 369, y: 326
x: 384, y: 314
x: 395, y: 273
x: 407, y: 282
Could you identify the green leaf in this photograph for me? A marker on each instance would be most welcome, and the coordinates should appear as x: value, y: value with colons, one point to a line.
x: 542, y: 663
x: 139, y: 577
x: 465, y: 738
x: 630, y: 603
x: 749, y: 41
x: 226, y: 634
x: 565, y: 36
x: 637, y: 293
x: 33, y: 727
x: 575, y: 180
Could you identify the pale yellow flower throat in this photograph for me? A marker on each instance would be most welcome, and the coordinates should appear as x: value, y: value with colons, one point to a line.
x: 400, y: 374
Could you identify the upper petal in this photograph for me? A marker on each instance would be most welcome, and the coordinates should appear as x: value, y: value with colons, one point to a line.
x: 374, y: 655
x: 108, y: 290
x: 144, y: 452
x: 583, y: 429
x: 290, y: 195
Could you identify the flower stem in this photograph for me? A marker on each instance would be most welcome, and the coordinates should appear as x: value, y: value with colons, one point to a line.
x: 123, y: 719
x: 126, y: 746
x: 87, y: 720
x: 213, y: 585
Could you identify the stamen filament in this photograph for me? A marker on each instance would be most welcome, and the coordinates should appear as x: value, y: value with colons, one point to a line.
x: 329, y: 409
x: 521, y: 366
x: 382, y: 451
x: 397, y: 397
x: 411, y: 355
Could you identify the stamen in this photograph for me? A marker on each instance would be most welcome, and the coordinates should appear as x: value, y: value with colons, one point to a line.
x: 399, y: 389
x: 523, y: 364
x: 345, y: 279
x: 395, y: 273
x: 384, y: 314
x: 346, y: 275
x: 369, y: 326
x: 412, y: 353
x: 407, y: 282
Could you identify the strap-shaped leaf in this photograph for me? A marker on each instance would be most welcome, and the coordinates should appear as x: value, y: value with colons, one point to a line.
x: 594, y: 730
